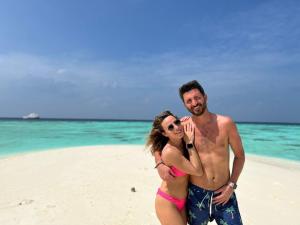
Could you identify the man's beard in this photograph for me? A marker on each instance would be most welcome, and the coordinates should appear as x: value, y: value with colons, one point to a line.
x: 199, y: 113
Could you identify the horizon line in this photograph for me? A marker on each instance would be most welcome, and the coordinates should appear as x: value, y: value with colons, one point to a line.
x: 136, y: 120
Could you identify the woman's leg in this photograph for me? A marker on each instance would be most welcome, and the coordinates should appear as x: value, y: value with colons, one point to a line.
x: 167, y: 212
x: 183, y: 215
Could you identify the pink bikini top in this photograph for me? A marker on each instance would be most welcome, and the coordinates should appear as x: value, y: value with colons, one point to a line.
x: 177, y: 172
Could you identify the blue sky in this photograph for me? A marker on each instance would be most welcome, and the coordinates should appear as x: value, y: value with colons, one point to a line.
x: 126, y: 59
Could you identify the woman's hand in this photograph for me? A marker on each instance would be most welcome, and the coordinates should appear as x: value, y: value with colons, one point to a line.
x: 189, y: 131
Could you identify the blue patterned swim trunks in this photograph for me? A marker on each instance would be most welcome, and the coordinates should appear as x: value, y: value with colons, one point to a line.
x: 201, y: 210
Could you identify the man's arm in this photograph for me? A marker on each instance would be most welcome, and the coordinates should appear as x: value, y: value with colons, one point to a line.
x: 238, y: 163
x: 238, y: 150
x: 164, y: 171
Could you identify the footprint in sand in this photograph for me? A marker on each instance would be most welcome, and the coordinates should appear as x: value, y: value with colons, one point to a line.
x: 26, y: 202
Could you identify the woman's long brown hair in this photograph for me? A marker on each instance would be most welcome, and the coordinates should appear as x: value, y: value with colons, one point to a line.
x: 156, y: 140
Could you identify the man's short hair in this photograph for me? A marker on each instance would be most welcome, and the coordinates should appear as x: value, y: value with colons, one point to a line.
x: 189, y: 86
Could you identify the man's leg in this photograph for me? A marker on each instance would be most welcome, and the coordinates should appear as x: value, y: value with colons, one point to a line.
x: 228, y: 214
x: 198, y: 205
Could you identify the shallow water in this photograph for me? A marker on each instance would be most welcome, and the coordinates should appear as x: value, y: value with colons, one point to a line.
x: 17, y: 136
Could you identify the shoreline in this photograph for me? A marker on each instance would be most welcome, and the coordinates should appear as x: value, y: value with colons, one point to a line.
x: 26, y: 152
x: 257, y: 157
x: 92, y: 185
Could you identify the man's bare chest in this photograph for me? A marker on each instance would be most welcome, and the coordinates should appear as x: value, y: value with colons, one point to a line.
x: 210, y: 139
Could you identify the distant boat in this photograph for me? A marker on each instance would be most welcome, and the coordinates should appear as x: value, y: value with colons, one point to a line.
x: 31, y: 116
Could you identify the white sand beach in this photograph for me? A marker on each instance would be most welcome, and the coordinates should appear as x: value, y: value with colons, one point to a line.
x: 92, y: 186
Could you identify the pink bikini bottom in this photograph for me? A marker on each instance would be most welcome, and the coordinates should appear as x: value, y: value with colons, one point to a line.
x: 180, y: 203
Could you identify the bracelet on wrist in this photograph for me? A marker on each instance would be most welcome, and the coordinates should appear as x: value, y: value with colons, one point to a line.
x: 232, y: 185
x: 159, y: 163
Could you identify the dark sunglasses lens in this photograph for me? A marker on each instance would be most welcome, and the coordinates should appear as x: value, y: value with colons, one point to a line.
x: 177, y: 122
x: 171, y: 127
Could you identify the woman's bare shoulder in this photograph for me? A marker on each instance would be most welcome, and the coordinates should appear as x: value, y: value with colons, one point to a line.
x: 170, y: 152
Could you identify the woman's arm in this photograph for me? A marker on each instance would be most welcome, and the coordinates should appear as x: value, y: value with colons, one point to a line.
x: 173, y: 156
x: 189, y: 130
x: 164, y: 171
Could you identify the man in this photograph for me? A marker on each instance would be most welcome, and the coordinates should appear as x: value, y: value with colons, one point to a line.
x: 211, y: 196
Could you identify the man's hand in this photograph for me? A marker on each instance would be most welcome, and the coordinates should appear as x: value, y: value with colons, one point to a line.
x: 226, y: 192
x: 165, y: 173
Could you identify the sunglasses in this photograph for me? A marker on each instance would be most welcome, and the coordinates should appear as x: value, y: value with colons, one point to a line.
x: 171, y: 126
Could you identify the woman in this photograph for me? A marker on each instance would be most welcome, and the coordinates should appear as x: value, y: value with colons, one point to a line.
x: 173, y: 141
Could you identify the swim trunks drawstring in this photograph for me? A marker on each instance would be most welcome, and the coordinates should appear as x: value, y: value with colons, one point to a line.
x: 210, y: 208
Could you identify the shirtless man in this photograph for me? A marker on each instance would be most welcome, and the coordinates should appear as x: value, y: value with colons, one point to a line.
x: 211, y: 196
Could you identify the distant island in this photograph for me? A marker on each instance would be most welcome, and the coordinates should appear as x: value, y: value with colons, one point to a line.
x: 31, y: 116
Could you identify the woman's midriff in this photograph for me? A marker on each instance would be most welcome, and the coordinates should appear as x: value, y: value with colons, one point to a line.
x: 176, y: 188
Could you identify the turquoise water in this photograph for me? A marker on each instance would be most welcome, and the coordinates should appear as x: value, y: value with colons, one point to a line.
x: 17, y: 136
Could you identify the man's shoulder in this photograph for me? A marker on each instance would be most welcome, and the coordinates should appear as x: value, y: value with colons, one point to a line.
x: 225, y: 123
x: 224, y: 120
x: 185, y: 119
